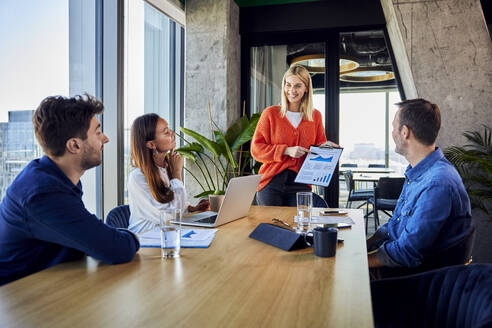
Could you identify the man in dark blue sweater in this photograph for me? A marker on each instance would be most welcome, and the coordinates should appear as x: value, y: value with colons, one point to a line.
x: 43, y: 220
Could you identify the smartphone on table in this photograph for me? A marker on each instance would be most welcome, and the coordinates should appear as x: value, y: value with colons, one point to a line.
x: 333, y: 213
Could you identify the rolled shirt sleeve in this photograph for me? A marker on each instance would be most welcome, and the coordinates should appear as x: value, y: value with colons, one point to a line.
x: 379, y: 237
x: 422, y: 225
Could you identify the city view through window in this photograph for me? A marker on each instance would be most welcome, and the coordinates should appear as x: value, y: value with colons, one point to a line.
x: 47, y: 48
x: 62, y: 35
x: 26, y: 78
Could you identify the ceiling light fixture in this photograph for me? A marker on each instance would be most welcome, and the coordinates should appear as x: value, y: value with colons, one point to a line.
x: 315, y: 63
x: 367, y: 74
x: 350, y: 70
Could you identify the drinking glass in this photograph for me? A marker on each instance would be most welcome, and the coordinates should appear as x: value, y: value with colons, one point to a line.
x: 170, y: 232
x: 304, y: 206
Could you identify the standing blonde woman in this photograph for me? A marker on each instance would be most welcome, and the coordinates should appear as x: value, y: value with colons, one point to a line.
x: 156, y: 183
x: 283, y: 137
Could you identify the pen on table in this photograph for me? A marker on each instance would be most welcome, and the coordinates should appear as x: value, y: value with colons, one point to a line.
x: 285, y: 224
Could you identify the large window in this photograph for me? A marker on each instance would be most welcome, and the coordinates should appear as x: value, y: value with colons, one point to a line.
x: 153, y: 69
x: 365, y: 128
x: 46, y: 48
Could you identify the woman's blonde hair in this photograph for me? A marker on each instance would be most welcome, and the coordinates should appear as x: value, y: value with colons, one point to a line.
x: 307, y: 100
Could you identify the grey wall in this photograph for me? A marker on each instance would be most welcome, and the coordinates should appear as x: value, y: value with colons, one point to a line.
x: 212, y: 67
x: 444, y: 49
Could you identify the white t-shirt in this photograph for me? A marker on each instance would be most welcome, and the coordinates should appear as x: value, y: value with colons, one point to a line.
x: 144, y: 208
x: 294, y: 118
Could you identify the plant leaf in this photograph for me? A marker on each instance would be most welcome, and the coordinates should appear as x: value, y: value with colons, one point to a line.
x: 220, y: 141
x: 186, y: 154
x: 210, y: 145
x: 474, y: 163
x: 194, y: 146
x: 226, y: 149
x: 247, y: 133
x: 236, y: 129
x: 205, y: 193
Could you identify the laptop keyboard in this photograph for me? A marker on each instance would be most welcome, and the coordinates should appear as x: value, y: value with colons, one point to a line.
x: 210, y: 219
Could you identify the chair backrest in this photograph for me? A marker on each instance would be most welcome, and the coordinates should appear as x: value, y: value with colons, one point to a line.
x: 457, y: 253
x: 348, y: 165
x: 456, y: 296
x: 119, y: 217
x: 389, y: 188
x: 318, y: 201
x: 349, y: 181
x: 376, y: 165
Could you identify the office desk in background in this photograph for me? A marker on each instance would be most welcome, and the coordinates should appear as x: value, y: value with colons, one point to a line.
x: 237, y: 282
x: 386, y: 170
x: 374, y: 177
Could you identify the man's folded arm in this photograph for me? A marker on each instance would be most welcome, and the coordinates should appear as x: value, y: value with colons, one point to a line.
x: 422, y: 228
x: 379, y: 237
x: 63, y: 219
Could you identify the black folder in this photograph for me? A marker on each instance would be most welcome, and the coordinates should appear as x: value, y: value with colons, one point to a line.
x: 279, y: 237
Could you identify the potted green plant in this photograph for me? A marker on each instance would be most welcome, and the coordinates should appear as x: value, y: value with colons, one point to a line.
x: 222, y: 157
x: 474, y: 163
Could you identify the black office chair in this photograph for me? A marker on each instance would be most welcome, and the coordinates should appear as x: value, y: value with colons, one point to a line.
x: 119, y: 217
x: 458, y: 253
x: 318, y: 201
x: 456, y: 296
x: 376, y: 166
x: 355, y: 195
x: 386, y: 194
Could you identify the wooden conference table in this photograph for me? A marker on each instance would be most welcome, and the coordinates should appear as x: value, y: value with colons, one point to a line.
x: 237, y: 282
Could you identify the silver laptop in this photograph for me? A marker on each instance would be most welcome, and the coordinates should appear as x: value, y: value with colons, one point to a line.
x: 237, y: 201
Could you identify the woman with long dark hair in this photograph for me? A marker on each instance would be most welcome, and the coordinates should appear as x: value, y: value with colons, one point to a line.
x: 156, y: 182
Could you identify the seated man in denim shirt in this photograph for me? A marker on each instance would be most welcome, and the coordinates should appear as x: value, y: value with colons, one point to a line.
x: 43, y: 220
x: 433, y: 210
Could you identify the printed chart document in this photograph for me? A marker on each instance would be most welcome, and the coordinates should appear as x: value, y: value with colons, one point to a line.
x: 189, y: 237
x: 319, y: 165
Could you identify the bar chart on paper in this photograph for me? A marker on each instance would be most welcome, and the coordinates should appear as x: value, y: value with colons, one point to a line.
x: 319, y: 165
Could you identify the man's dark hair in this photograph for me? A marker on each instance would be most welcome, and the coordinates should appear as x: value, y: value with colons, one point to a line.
x: 422, y: 117
x: 58, y: 119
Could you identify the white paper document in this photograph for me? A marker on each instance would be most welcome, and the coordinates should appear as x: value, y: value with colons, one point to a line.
x: 319, y: 165
x: 331, y: 219
x: 189, y: 237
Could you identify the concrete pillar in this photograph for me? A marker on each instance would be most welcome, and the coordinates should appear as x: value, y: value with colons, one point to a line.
x: 212, y: 67
x: 443, y: 47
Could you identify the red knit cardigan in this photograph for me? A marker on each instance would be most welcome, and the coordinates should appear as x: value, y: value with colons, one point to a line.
x: 275, y: 133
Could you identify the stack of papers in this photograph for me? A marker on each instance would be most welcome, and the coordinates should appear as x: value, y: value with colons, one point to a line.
x: 189, y: 237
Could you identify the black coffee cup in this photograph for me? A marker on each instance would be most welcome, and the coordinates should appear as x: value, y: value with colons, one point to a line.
x: 325, y: 241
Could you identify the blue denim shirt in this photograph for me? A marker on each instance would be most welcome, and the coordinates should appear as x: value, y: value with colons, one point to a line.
x: 43, y: 222
x: 433, y: 212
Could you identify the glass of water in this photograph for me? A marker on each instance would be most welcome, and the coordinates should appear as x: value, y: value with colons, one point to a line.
x: 170, y: 232
x: 304, y: 206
